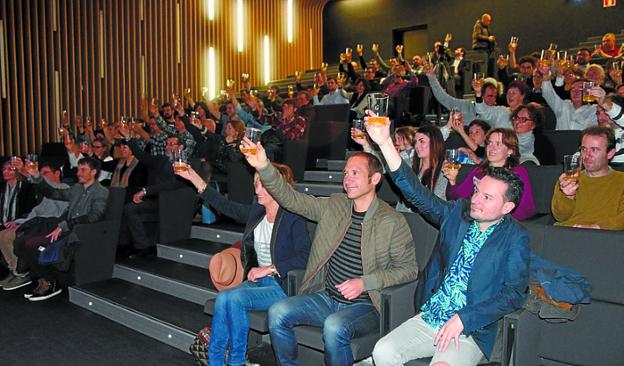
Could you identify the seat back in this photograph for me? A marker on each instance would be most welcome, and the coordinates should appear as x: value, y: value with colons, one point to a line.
x: 95, y: 256
x: 596, y: 254
x: 296, y: 153
x: 543, y: 179
x: 240, y: 182
x: 329, y: 133
x: 563, y: 142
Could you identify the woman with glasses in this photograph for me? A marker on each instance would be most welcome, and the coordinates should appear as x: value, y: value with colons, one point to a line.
x: 502, y: 151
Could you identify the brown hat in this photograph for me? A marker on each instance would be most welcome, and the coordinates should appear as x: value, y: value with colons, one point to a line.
x: 226, y: 269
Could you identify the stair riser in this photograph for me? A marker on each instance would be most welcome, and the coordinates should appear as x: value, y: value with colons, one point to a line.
x: 165, y: 285
x: 162, y: 332
x: 216, y: 235
x: 184, y: 256
x: 324, y: 190
x: 321, y: 176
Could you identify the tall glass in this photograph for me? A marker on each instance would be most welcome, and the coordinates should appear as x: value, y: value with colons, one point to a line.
x: 33, y: 161
x: 378, y: 103
x: 179, y: 161
x: 252, y: 134
x: 452, y: 157
x: 479, y: 77
x: 572, y: 166
x: 588, y: 98
x: 358, y: 124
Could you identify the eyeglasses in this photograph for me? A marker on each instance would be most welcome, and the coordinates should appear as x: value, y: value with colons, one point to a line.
x: 521, y: 119
x: 496, y: 144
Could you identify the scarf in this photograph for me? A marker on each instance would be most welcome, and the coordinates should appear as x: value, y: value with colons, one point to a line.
x: 123, y: 182
x: 526, y: 143
x: 9, y: 198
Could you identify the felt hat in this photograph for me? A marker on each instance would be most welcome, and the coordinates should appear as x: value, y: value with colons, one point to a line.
x: 226, y: 269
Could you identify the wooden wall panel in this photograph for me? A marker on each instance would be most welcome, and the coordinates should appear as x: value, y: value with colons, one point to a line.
x: 44, y: 39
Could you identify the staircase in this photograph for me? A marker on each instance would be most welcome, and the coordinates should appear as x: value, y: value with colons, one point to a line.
x: 164, y: 297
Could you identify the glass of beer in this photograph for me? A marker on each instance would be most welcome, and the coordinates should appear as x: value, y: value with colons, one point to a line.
x: 479, y: 77
x: 514, y: 41
x: 33, y: 161
x: 572, y: 166
x: 324, y: 66
x: 378, y: 103
x: 179, y: 161
x: 452, y: 158
x: 230, y: 83
x: 588, y: 98
x: 545, y: 58
x: 291, y: 91
x: 252, y: 134
x: 358, y: 124
x: 244, y: 77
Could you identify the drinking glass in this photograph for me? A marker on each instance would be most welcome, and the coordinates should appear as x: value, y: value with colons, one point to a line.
x: 572, y: 166
x: 452, y: 157
x: 479, y: 76
x: 358, y: 124
x: 514, y: 41
x: 252, y: 134
x: 33, y: 161
x: 179, y: 160
x: 588, y: 98
x: 378, y: 103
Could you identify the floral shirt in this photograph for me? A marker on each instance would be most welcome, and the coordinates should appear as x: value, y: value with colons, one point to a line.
x: 451, y: 296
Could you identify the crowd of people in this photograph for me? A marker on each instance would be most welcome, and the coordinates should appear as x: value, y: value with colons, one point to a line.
x: 361, y: 244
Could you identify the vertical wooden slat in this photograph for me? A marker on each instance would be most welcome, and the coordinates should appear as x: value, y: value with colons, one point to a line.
x: 55, y: 43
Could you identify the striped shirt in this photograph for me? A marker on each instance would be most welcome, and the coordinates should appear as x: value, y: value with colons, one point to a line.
x: 346, y: 262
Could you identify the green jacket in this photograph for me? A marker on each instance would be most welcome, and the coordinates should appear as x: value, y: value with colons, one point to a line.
x: 388, y: 254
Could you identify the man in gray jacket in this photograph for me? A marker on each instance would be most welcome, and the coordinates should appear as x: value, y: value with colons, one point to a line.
x: 87, y: 204
x: 361, y: 246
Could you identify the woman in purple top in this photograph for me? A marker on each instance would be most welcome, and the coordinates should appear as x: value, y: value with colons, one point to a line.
x: 501, y: 151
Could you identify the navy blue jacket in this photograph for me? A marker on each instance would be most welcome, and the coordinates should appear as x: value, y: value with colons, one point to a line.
x: 290, y: 242
x: 500, y: 274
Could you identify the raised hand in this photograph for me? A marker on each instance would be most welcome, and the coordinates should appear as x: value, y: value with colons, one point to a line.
x: 258, y: 160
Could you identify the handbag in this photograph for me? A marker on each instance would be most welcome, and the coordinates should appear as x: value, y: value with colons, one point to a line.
x: 199, y: 347
x: 51, y: 253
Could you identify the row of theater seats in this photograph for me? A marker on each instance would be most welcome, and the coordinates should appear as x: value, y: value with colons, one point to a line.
x: 525, y: 338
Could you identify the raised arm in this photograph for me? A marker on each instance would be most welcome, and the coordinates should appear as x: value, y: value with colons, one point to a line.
x: 302, y: 204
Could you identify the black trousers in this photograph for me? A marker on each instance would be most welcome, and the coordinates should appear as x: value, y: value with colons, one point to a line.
x: 134, y: 214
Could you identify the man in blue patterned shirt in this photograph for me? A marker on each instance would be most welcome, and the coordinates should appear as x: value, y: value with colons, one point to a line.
x: 478, y: 271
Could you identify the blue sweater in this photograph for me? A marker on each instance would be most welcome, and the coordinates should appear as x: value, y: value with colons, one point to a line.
x: 290, y: 242
x: 500, y: 275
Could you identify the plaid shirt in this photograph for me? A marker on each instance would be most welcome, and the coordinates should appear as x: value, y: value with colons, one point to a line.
x: 292, y: 130
x: 170, y: 130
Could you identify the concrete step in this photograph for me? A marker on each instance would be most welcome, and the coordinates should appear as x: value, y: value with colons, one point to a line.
x: 329, y: 176
x: 194, y: 252
x: 218, y: 233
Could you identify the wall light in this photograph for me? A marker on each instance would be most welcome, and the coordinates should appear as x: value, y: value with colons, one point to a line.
x: 211, y: 9
x: 212, y: 74
x: 239, y: 25
x: 289, y: 19
x: 267, y: 60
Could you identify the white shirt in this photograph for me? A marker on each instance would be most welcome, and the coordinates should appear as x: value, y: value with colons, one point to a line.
x: 262, y: 242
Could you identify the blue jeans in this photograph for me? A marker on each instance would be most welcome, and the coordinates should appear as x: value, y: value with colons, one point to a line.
x: 230, y: 323
x: 340, y: 323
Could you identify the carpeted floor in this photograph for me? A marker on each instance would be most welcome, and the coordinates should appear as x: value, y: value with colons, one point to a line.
x: 57, y: 333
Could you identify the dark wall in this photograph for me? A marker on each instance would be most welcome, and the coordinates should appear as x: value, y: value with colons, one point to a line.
x: 535, y: 22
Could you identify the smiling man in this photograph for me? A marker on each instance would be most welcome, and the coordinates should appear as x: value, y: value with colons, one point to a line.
x: 361, y: 246
x: 477, y: 274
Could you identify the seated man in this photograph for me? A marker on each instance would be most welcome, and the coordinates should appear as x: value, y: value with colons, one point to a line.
x: 478, y: 272
x: 47, y: 209
x: 333, y: 96
x: 593, y: 198
x: 87, y: 204
x: 361, y: 246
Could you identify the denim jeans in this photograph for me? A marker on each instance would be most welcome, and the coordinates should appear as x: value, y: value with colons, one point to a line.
x: 340, y: 323
x: 230, y: 323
